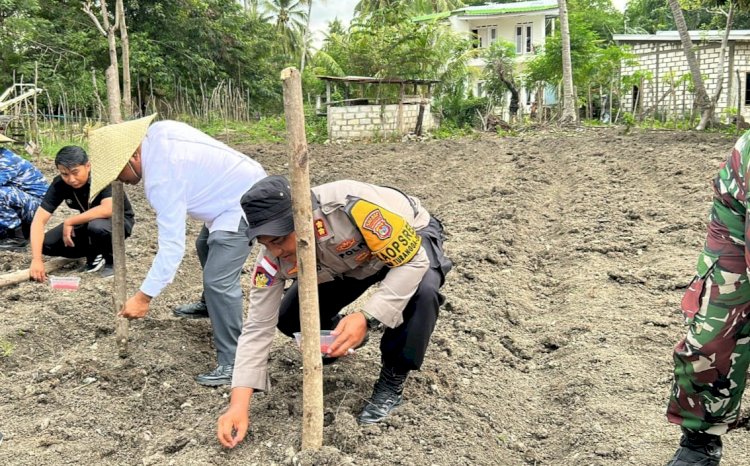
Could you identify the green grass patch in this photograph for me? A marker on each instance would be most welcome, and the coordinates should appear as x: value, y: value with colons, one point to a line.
x: 449, y: 130
x: 6, y: 348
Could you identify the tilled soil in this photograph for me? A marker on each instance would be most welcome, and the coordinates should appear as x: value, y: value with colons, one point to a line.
x: 572, y: 249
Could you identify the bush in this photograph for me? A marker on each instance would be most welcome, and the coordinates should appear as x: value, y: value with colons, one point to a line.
x: 460, y: 111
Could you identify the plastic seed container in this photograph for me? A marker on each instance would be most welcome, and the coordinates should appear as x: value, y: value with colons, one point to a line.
x: 64, y: 283
x: 326, y: 339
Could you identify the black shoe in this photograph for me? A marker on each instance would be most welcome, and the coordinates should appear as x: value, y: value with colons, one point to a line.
x: 197, y: 310
x: 222, y: 375
x: 697, y: 449
x: 13, y: 244
x: 93, y: 265
x: 386, y: 395
x: 107, y: 271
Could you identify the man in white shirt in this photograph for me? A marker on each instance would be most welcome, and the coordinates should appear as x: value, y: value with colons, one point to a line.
x: 186, y: 173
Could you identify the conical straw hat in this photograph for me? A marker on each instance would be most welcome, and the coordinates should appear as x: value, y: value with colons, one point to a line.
x: 110, y: 148
x: 4, y: 138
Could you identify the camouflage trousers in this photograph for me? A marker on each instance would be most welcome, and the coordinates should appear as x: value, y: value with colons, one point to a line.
x: 16, y: 206
x: 711, y: 362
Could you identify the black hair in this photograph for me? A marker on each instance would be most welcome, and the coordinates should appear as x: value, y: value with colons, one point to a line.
x: 71, y: 156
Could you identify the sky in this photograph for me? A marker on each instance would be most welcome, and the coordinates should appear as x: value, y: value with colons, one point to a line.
x: 324, y: 11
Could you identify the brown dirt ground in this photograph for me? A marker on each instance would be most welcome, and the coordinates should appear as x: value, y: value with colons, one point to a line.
x: 571, y: 250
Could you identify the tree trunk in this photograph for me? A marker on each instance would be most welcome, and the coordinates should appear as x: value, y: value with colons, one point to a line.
x: 702, y: 101
x: 569, y: 114
x: 312, y: 390
x: 305, y: 31
x: 127, y: 104
x: 723, y: 56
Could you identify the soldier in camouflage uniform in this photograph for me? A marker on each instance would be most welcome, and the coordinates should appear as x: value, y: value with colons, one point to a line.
x: 22, y: 187
x: 711, y: 362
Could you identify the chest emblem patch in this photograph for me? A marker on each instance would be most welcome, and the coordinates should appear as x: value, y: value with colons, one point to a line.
x: 345, y: 245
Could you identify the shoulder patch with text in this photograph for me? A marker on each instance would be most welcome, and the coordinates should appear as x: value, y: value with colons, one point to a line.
x: 390, y: 238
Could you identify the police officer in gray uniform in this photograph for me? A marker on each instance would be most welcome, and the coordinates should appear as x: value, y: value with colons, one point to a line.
x: 365, y: 235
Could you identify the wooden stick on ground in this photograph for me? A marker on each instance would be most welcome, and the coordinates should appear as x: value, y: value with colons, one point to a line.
x: 312, y: 377
x: 20, y: 276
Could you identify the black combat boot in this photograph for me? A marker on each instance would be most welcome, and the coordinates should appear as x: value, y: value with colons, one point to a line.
x: 386, y: 395
x: 697, y: 449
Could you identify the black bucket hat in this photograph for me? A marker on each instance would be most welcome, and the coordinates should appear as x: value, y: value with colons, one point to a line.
x: 268, y: 208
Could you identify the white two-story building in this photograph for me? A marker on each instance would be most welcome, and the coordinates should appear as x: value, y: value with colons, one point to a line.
x: 525, y: 24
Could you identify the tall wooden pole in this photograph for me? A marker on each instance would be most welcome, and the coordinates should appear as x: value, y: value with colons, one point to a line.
x: 119, y: 287
x: 312, y: 380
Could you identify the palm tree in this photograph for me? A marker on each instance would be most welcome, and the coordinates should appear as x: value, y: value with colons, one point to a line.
x: 702, y: 101
x: 306, y: 37
x: 569, y: 114
x: 290, y: 22
x: 436, y: 6
x: 365, y: 7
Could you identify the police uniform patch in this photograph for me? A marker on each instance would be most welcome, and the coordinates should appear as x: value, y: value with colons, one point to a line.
x: 363, y: 256
x: 345, y: 245
x: 376, y: 223
x: 322, y: 231
x: 390, y: 238
x: 261, y: 278
x: 264, y: 274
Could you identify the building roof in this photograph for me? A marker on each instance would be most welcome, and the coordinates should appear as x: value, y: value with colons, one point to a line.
x: 370, y: 80
x: 495, y: 9
x: 740, y: 35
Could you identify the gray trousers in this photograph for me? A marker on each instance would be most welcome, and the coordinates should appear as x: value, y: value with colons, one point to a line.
x: 222, y: 255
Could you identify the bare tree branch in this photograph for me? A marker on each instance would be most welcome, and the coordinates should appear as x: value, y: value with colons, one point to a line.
x: 87, y: 9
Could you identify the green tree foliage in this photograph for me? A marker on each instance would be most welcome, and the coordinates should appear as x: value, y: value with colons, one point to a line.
x: 387, y: 43
x: 500, y: 73
x: 203, y: 41
x: 290, y: 17
x: 367, y: 7
x: 547, y: 66
x: 649, y: 16
x: 600, y: 16
x: 185, y: 43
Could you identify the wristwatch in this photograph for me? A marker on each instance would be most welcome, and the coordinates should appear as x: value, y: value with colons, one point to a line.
x: 371, y: 321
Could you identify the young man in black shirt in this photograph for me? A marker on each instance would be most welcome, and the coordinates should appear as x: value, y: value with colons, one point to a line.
x: 87, y: 234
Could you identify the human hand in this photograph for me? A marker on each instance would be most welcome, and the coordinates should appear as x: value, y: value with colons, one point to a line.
x: 36, y: 270
x: 350, y: 332
x: 68, y: 234
x: 136, y: 307
x: 232, y: 426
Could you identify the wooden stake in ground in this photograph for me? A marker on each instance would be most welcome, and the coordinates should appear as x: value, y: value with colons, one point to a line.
x: 119, y: 287
x: 312, y: 381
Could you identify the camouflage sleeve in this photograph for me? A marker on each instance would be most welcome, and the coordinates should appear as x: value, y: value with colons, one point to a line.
x: 10, y: 167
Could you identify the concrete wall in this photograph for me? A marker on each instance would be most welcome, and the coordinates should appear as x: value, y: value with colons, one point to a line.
x: 373, y: 121
x: 661, y: 58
